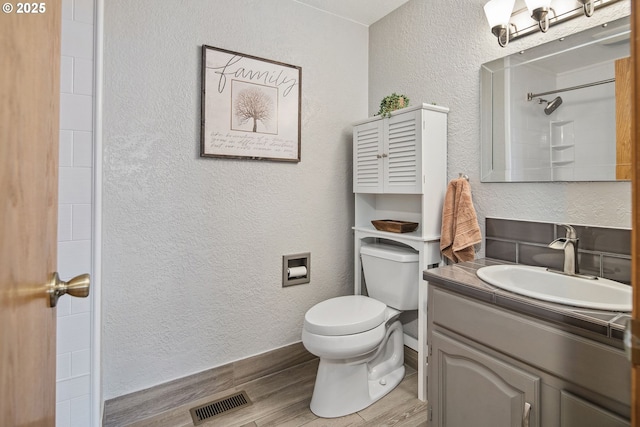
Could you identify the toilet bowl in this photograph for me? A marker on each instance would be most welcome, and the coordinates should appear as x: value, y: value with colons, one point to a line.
x: 358, y: 338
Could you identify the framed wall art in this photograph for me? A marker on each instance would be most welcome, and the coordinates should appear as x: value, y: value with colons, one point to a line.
x: 250, y: 107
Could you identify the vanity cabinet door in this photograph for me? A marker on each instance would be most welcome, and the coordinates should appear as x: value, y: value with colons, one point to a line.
x: 577, y: 412
x: 470, y: 388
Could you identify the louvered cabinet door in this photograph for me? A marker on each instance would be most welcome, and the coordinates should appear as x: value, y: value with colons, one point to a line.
x: 367, y: 157
x: 403, y: 153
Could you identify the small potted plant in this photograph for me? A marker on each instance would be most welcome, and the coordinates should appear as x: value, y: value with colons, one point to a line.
x: 391, y: 103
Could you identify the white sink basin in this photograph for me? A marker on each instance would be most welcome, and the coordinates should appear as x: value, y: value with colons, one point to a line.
x: 537, y: 282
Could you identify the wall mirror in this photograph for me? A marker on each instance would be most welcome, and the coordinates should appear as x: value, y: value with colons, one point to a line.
x: 559, y: 111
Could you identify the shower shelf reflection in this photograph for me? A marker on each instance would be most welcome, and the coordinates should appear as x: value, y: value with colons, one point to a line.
x: 562, y: 143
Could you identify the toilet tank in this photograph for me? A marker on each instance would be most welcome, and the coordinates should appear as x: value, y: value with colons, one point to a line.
x: 391, y: 274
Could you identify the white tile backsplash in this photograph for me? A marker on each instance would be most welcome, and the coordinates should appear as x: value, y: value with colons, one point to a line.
x: 67, y: 10
x: 83, y: 77
x: 83, y: 11
x: 81, y: 227
x: 73, y: 367
x: 66, y: 74
x: 81, y: 305
x: 82, y: 149
x: 63, y: 366
x: 74, y: 258
x: 73, y: 388
x: 66, y: 148
x: 74, y: 186
x: 76, y: 112
x: 63, y: 414
x: 80, y: 411
x: 63, y: 308
x: 65, y: 225
x: 77, y: 39
x: 74, y: 333
x: 80, y: 362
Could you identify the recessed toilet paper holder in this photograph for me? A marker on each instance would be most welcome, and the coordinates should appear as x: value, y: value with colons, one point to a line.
x: 296, y: 269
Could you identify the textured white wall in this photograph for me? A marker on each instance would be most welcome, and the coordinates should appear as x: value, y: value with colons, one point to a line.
x: 432, y: 52
x: 193, y: 247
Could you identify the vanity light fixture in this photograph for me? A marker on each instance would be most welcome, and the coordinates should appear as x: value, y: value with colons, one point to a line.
x: 588, y: 6
x: 537, y: 16
x: 498, y: 13
x: 539, y: 10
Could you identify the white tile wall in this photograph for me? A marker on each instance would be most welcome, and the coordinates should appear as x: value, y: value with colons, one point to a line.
x: 76, y: 112
x: 73, y: 388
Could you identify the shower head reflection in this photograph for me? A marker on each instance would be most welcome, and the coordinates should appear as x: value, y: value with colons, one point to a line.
x: 551, y: 105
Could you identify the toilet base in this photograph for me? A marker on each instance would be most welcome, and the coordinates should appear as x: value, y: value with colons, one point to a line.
x: 345, y: 387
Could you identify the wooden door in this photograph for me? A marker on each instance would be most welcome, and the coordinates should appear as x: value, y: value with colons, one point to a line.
x: 29, y: 129
x: 623, y: 118
x: 635, y: 199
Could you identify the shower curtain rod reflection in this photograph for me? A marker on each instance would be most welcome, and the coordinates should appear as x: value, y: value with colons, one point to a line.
x: 531, y: 96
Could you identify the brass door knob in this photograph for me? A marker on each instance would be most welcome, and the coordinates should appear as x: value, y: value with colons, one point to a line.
x: 77, y: 287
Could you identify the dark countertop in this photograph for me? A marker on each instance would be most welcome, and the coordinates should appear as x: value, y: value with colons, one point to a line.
x: 604, y: 326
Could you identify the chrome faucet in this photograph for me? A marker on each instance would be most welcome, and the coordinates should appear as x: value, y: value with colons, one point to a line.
x: 569, y: 244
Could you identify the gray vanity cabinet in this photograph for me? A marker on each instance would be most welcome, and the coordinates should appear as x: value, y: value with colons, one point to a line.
x: 494, y: 367
x: 577, y: 412
x: 476, y: 389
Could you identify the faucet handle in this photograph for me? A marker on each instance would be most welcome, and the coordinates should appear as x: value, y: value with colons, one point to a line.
x: 571, y: 232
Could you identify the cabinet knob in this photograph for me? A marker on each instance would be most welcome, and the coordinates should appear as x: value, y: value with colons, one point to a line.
x: 526, y: 415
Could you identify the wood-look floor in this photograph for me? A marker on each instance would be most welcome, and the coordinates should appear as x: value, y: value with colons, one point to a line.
x: 282, y: 400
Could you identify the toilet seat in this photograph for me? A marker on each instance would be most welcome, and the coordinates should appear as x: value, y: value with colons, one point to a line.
x: 347, y: 315
x: 344, y: 347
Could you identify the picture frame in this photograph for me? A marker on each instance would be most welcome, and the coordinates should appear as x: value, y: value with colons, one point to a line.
x: 250, y: 107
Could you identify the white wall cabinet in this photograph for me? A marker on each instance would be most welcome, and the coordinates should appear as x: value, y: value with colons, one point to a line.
x: 394, y: 155
x: 400, y: 173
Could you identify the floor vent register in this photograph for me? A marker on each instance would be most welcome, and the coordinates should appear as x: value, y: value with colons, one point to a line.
x: 205, y: 412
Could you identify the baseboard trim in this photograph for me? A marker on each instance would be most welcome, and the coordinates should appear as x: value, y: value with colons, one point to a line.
x: 410, y: 357
x: 140, y: 405
x: 410, y: 342
x: 143, y: 404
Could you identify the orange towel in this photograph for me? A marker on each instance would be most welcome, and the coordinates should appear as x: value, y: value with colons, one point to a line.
x: 460, y: 230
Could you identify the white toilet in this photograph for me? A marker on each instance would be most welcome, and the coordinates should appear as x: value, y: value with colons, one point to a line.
x: 358, y: 339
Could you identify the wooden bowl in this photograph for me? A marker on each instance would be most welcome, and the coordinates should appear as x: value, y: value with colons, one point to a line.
x: 394, y: 226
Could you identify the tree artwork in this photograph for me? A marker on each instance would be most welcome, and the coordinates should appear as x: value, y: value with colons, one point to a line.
x: 250, y: 107
x: 253, y: 104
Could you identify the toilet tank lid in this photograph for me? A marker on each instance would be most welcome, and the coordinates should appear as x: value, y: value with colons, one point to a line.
x: 390, y: 252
